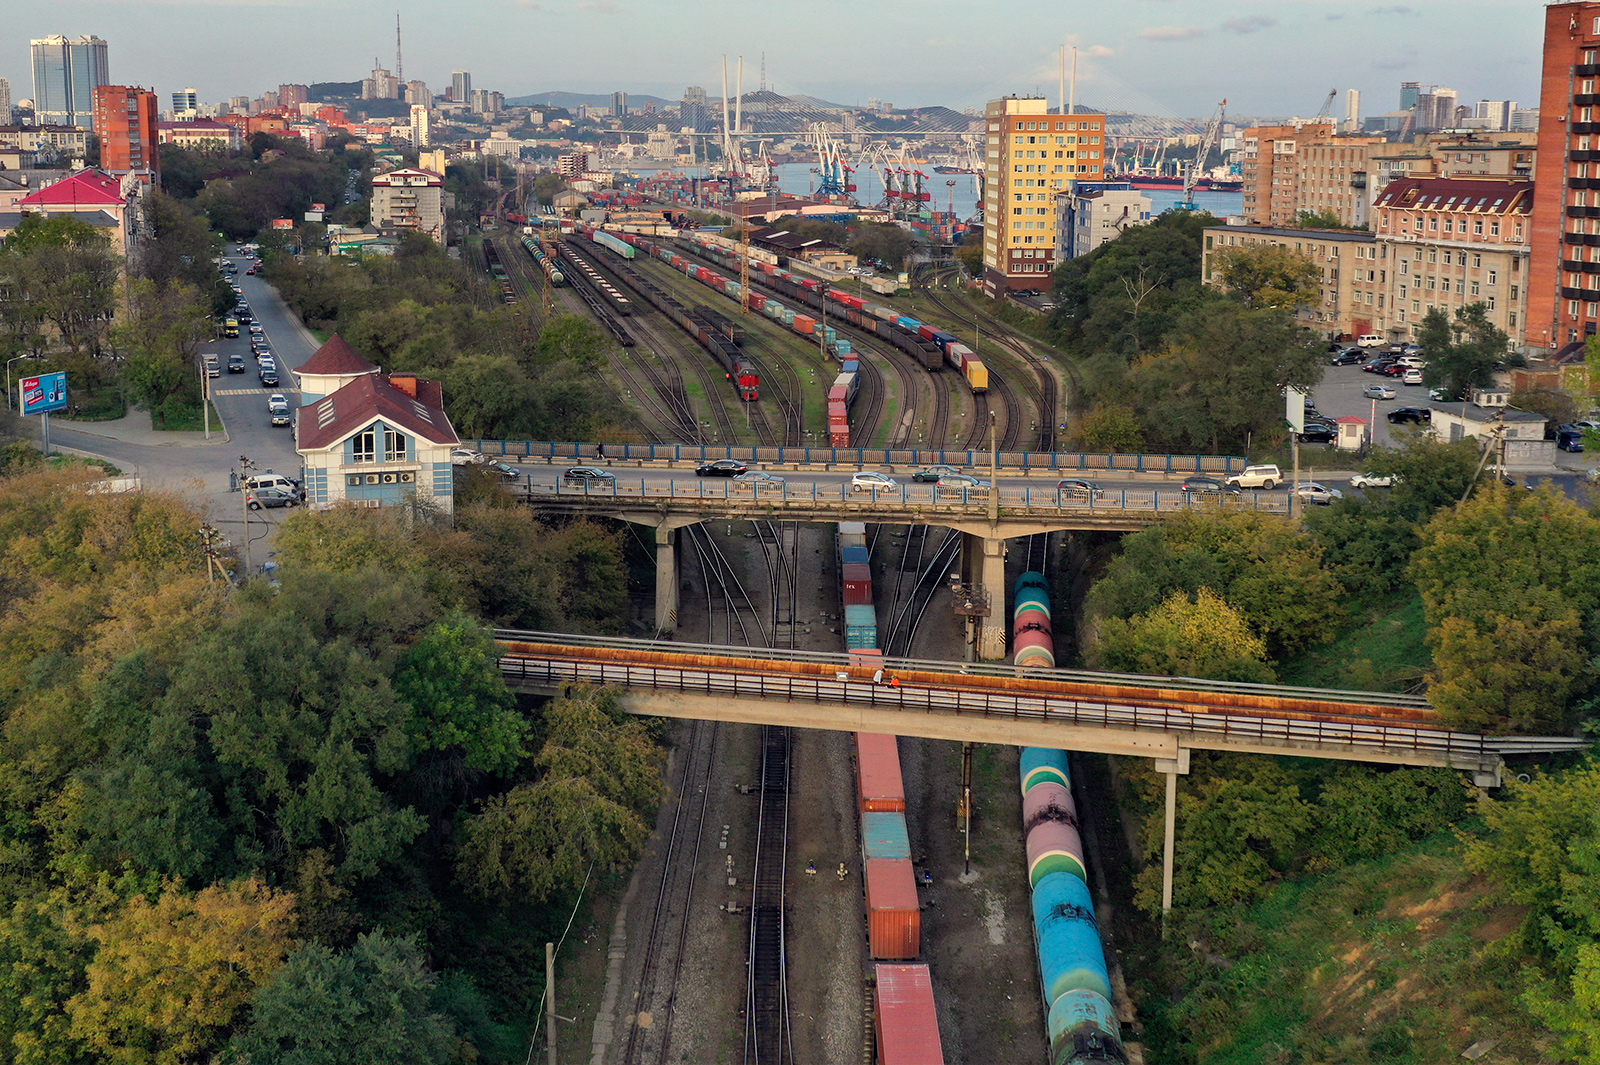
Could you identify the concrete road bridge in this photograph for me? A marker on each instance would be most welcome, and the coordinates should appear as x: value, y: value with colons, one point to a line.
x: 1161, y: 718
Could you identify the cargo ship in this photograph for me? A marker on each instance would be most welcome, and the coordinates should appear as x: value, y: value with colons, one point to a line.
x: 1160, y: 182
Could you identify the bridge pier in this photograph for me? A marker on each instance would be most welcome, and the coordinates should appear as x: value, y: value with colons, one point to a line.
x: 1173, y: 768
x: 666, y: 578
x: 992, y: 637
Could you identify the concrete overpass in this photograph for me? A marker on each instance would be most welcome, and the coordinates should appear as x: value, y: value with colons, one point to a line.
x: 1160, y: 718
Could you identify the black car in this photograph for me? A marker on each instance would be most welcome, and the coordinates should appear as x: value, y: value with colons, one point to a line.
x: 1402, y: 415
x: 589, y: 477
x: 268, y: 377
x: 1379, y: 365
x: 236, y: 364
x: 1318, y: 433
x: 1313, y: 415
x: 1347, y: 357
x: 721, y: 468
x: 1198, y: 485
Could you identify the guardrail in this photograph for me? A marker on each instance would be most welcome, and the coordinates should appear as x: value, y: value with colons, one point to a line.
x: 976, y: 458
x: 1028, y: 498
x: 842, y: 688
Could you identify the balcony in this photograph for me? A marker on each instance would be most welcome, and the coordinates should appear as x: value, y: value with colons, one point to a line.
x: 1586, y: 70
x: 1583, y: 157
x: 1583, y: 127
x: 1585, y: 99
x: 1587, y: 294
x: 1583, y: 212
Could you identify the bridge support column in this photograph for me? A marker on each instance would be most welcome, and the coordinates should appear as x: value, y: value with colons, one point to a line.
x: 1173, y: 768
x: 666, y: 579
x: 992, y: 639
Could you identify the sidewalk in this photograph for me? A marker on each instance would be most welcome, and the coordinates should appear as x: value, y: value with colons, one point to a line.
x: 134, y: 428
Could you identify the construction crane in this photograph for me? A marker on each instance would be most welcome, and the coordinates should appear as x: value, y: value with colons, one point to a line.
x: 1207, y: 142
x: 1327, y: 106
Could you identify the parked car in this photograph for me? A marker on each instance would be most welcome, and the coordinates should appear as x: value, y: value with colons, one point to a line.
x: 465, y: 456
x: 1318, y: 433
x: 1401, y: 415
x: 1411, y: 377
x: 589, y: 477
x: 1372, y: 480
x: 1202, y: 485
x: 1347, y: 357
x: 278, y: 408
x: 268, y: 479
x: 760, y: 481
x: 871, y: 481
x: 256, y: 498
x: 720, y: 468
x: 1256, y: 477
x: 268, y: 376
x: 1315, y: 492
x: 1378, y: 392
x: 932, y: 474
x: 1569, y: 438
x: 1378, y: 365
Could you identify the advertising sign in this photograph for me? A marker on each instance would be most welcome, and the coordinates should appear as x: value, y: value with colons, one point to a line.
x: 313, y: 216
x: 43, y: 394
x: 283, y: 223
x: 319, y: 207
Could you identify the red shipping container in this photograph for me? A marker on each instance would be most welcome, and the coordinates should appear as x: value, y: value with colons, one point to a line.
x: 880, y: 788
x: 837, y: 439
x: 904, y: 1017
x: 837, y: 394
x: 894, y: 917
x: 857, y: 595
x: 804, y: 324
x: 926, y: 331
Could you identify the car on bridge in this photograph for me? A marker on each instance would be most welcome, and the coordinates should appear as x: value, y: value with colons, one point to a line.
x: 589, y: 477
x: 721, y: 468
x: 931, y: 474
x: 759, y: 481
x: 1076, y: 488
x: 1320, y: 494
x: 1201, y: 485
x: 872, y: 481
x: 963, y: 481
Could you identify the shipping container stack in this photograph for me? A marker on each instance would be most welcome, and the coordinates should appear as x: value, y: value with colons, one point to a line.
x: 1076, y: 983
x: 905, y: 1023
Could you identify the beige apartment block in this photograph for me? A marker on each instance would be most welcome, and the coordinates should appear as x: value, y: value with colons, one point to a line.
x: 1270, y: 167
x: 409, y: 200
x: 1030, y: 155
x: 1335, y: 176
x: 1338, y: 253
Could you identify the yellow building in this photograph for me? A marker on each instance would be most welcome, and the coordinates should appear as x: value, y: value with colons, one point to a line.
x: 1030, y: 155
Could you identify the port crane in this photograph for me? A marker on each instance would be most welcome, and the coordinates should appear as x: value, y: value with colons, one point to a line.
x: 1207, y: 142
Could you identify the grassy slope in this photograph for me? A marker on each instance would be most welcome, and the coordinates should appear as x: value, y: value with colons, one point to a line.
x: 1378, y: 962
x: 1379, y: 648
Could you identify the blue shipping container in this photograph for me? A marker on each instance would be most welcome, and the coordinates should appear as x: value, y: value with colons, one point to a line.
x: 860, y: 627
x: 848, y: 553
x: 883, y: 835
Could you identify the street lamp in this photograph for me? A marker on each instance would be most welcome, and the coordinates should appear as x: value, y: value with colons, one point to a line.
x: 8, y: 374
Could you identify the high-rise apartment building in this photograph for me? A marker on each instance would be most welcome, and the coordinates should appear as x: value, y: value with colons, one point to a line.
x: 417, y: 94
x: 1333, y: 176
x: 5, y: 102
x: 421, y: 136
x: 1496, y: 114
x: 125, y: 121
x: 1030, y: 155
x: 185, y: 104
x: 1352, y: 110
x: 1563, y: 290
x: 294, y: 95
x: 409, y: 200
x: 692, y: 112
x: 65, y: 76
x: 460, y: 86
x: 1270, y: 166
x: 619, y: 105
x: 381, y: 85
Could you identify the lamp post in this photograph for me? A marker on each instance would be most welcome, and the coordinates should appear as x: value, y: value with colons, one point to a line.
x: 245, y: 466
x: 994, y: 471
x: 9, y: 401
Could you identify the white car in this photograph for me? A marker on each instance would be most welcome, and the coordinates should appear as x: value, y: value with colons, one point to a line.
x: 1378, y: 392
x: 465, y: 456
x: 869, y: 481
x: 1411, y: 377
x: 1372, y: 480
x: 1312, y: 492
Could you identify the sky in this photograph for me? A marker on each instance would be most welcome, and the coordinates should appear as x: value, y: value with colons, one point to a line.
x: 1175, y: 58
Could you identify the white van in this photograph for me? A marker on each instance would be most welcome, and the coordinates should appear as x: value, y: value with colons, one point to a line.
x: 272, y: 480
x: 1370, y: 340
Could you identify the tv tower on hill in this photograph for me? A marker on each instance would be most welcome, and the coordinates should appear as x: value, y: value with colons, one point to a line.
x: 399, y: 64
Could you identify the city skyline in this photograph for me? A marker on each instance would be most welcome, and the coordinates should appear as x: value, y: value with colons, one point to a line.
x: 1175, y: 58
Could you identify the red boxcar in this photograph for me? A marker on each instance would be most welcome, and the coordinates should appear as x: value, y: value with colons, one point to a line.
x: 894, y: 918
x: 880, y: 788
x: 904, y: 1017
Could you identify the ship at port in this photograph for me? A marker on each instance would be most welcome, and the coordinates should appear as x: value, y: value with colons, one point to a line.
x: 1175, y: 181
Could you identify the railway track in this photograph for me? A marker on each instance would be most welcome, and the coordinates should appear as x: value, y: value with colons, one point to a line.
x: 650, y: 1036
x: 768, y: 1039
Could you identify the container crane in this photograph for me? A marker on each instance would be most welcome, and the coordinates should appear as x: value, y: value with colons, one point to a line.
x: 1207, y: 142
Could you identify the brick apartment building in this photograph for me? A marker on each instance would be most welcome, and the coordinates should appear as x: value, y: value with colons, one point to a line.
x: 125, y: 120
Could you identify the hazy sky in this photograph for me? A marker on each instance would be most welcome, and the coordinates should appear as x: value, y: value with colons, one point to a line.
x: 1167, y: 57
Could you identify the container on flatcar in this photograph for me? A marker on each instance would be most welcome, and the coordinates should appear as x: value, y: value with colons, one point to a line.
x: 857, y: 583
x: 860, y: 626
x: 883, y: 835
x: 894, y: 916
x: 854, y: 553
x: 903, y: 1016
x: 879, y: 785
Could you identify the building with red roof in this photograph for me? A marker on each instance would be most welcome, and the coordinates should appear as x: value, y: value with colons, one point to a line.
x: 111, y: 204
x: 369, y: 438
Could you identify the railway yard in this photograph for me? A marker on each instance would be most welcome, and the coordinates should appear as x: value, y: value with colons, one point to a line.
x: 742, y: 935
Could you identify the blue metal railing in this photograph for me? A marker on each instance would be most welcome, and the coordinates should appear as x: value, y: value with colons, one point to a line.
x: 976, y: 458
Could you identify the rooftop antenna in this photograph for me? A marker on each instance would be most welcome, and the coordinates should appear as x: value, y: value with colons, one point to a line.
x: 1072, y: 100
x: 399, y: 64
x: 1062, y: 99
x: 763, y: 72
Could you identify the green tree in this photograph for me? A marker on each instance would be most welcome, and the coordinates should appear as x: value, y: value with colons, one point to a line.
x: 1509, y: 580
x: 1184, y: 637
x: 451, y: 680
x: 371, y: 1004
x: 160, y: 331
x: 172, y: 974
x: 62, y: 271
x: 1110, y: 427
x: 545, y: 187
x: 1463, y: 352
x: 1323, y: 219
x: 1269, y: 276
x: 884, y: 243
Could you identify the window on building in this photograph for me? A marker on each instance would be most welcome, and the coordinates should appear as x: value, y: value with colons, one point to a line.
x: 1416, y: 307
x: 1433, y: 255
x: 365, y: 446
x: 1433, y: 224
x: 1511, y: 319
x: 1477, y: 261
x: 1477, y: 227
x: 1494, y: 227
x: 1475, y: 288
x: 1493, y: 275
x: 1513, y: 293
x: 1490, y: 301
x: 1449, y: 225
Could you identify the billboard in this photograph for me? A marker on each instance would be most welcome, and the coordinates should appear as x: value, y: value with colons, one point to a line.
x: 319, y: 207
x: 43, y: 394
x: 283, y: 223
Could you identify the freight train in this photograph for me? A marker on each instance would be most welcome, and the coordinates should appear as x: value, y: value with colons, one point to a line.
x: 497, y: 270
x: 736, y: 365
x: 537, y: 254
x: 1076, y: 982
x: 906, y: 1024
x: 614, y: 297
x: 925, y: 343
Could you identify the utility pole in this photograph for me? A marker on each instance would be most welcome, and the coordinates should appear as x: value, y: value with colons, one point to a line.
x: 245, y: 466
x: 550, y: 999
x: 994, y: 471
x: 205, y: 395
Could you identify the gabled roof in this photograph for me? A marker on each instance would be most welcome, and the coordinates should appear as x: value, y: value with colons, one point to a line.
x: 93, y: 187
x: 336, y: 357
x: 1485, y: 195
x: 369, y: 398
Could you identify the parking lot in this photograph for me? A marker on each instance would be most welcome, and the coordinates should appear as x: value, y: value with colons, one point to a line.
x: 1339, y: 395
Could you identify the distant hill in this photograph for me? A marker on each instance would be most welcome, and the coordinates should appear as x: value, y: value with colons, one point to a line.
x: 592, y: 99
x: 323, y: 91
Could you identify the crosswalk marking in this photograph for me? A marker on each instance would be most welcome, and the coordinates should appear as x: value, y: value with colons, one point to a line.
x: 254, y: 391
